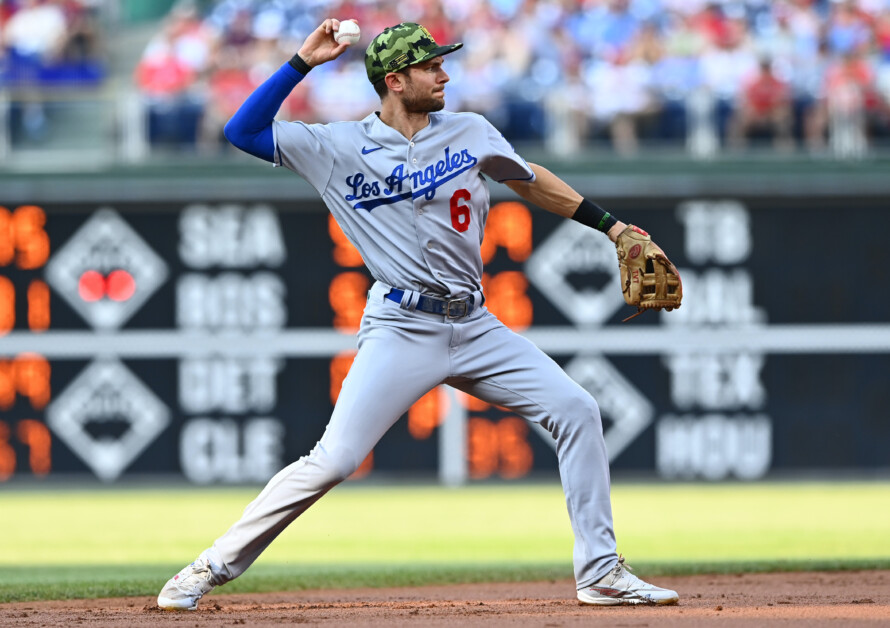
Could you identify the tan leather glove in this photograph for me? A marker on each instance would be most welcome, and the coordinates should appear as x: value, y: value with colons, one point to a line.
x: 649, y: 280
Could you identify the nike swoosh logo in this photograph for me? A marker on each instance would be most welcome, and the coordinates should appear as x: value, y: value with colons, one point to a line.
x: 365, y: 151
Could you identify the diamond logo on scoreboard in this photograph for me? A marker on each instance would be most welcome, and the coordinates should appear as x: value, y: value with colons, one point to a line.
x: 106, y: 271
x: 570, y: 254
x: 107, y: 417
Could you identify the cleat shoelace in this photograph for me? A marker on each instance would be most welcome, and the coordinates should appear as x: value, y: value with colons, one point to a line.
x: 192, y: 576
x: 631, y: 582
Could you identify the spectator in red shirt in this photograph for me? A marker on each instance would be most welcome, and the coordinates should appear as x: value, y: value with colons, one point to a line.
x: 163, y: 75
x: 764, y: 103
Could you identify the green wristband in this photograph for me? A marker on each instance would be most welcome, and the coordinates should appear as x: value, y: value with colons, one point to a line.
x: 594, y: 216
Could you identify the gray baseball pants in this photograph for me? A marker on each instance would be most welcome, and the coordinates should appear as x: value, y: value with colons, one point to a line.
x: 402, y: 355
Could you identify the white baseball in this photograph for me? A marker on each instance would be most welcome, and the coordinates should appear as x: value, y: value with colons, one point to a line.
x: 349, y: 32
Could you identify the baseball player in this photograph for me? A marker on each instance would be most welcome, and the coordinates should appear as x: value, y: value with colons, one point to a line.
x: 408, y: 185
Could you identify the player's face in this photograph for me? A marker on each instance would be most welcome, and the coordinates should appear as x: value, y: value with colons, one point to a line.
x: 425, y: 87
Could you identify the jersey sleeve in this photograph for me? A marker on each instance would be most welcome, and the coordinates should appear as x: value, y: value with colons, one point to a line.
x: 503, y: 163
x: 304, y: 148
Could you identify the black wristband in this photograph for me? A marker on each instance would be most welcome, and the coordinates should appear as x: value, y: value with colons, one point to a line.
x: 594, y: 216
x: 299, y: 65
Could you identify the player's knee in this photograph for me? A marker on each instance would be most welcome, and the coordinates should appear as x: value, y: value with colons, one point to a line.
x: 578, y: 404
x: 338, y: 465
x: 328, y: 468
x: 576, y: 410
x: 341, y: 470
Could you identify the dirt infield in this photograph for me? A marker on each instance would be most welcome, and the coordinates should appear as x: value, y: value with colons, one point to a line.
x: 802, y: 599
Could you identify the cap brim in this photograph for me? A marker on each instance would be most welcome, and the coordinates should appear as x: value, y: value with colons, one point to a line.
x: 441, y: 51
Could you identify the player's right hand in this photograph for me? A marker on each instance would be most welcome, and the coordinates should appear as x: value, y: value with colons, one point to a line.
x: 320, y: 46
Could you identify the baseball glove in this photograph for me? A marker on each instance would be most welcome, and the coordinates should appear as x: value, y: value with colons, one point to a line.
x: 649, y: 280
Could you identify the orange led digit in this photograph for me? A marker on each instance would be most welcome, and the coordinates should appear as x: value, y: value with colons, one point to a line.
x: 32, y: 378
x: 482, y: 447
x: 506, y: 297
x: 36, y: 436
x: 514, y: 229
x: 509, y: 226
x: 348, y: 293
x: 38, y: 306
x: 516, y: 456
x: 31, y: 240
x: 498, y: 447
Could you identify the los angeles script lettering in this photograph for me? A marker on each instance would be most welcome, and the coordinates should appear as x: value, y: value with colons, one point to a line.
x: 431, y: 176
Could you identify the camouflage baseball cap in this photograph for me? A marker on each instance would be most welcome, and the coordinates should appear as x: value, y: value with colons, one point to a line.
x: 399, y: 46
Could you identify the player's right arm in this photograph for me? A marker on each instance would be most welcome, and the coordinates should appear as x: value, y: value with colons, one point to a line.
x: 250, y: 129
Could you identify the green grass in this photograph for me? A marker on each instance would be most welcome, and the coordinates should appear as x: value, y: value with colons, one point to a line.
x: 65, y: 544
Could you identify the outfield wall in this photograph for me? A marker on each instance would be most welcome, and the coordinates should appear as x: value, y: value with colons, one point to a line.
x: 205, y: 333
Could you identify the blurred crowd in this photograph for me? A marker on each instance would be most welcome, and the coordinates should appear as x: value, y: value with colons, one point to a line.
x: 621, y: 71
x: 618, y: 69
x: 46, y: 45
x: 49, y: 42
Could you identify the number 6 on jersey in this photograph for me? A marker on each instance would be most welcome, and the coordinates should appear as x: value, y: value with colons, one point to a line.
x: 460, y: 212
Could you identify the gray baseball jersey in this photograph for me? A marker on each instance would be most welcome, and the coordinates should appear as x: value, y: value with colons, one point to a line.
x: 416, y: 210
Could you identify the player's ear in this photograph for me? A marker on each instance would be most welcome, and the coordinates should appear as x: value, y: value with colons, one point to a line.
x: 395, y: 81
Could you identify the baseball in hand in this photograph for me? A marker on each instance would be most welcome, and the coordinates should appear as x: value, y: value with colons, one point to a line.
x: 349, y: 33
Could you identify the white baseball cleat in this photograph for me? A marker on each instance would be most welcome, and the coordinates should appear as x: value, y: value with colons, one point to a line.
x: 182, y: 591
x: 619, y: 586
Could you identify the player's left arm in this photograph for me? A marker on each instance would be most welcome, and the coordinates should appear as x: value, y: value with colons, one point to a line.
x: 551, y: 193
x: 649, y: 279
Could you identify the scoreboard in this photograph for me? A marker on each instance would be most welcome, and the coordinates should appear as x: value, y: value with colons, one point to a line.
x: 207, y: 339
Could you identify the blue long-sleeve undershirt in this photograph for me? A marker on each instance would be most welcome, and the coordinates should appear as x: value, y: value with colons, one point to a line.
x: 250, y: 129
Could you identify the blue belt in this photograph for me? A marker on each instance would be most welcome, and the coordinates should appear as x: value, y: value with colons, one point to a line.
x: 452, y: 308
